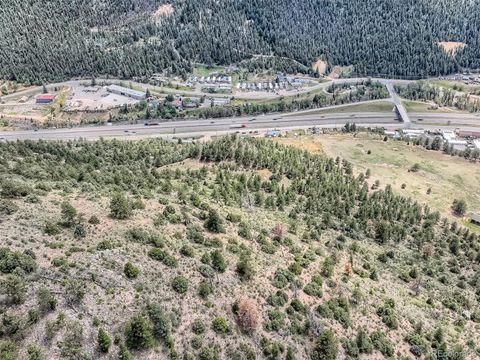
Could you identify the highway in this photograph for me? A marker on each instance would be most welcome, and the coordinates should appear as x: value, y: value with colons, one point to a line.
x: 322, y: 117
x: 204, y: 126
x: 252, y: 124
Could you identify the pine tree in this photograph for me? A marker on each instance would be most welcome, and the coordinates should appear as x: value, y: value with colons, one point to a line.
x: 326, y: 346
x: 138, y: 334
x: 120, y: 207
x: 103, y: 340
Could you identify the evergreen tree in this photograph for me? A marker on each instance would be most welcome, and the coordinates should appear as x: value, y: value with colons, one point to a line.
x: 138, y: 334
x: 326, y: 346
x: 120, y: 207
x: 103, y: 340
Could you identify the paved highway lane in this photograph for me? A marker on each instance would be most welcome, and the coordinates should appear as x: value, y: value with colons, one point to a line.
x: 300, y: 119
x: 205, y: 126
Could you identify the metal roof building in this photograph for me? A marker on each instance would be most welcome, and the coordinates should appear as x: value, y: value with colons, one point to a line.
x: 120, y: 90
x: 475, y: 218
x: 45, y: 98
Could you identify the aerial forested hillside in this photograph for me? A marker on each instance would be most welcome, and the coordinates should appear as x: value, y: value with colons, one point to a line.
x: 233, y: 249
x: 45, y: 41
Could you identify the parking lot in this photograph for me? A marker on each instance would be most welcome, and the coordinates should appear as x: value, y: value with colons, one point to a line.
x: 94, y: 98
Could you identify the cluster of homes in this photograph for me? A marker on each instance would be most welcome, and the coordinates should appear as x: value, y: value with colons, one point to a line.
x: 216, y: 82
x: 181, y: 103
x: 459, y: 139
x: 468, y: 79
x: 281, y: 82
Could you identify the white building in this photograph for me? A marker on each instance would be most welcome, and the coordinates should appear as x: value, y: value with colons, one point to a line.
x: 120, y: 90
x: 459, y: 145
x: 449, y: 135
x: 476, y: 143
x: 413, y: 133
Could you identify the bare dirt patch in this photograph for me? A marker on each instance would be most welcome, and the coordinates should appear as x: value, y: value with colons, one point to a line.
x: 164, y: 10
x: 340, y: 71
x: 320, y: 66
x: 451, y: 47
x: 312, y: 145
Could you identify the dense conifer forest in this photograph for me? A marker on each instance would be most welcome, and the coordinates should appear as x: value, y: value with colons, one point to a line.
x: 48, y: 41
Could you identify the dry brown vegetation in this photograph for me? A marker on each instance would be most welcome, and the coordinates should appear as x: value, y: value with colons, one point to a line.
x: 451, y: 47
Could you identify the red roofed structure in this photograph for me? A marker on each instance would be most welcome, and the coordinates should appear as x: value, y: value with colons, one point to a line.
x: 45, y: 98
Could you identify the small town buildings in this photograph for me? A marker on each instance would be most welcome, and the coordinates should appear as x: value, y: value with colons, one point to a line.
x: 191, y: 102
x: 231, y: 69
x: 475, y: 219
x: 45, y: 98
x: 220, y: 101
x: 469, y: 134
x: 459, y: 145
x: 449, y: 135
x: 120, y: 90
x: 476, y: 144
x: 413, y: 133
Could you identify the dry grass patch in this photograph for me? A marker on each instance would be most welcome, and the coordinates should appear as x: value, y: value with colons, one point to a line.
x: 451, y: 47
x: 320, y: 66
x: 163, y: 11
x: 449, y: 177
x: 311, y: 144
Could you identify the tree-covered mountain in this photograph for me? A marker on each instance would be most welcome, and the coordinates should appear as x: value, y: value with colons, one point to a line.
x: 46, y: 41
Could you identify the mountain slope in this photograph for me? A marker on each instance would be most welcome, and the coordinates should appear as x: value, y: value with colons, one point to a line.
x: 125, y: 38
x: 232, y: 249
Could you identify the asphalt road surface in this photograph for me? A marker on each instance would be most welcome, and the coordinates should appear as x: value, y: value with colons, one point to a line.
x: 246, y: 125
x: 204, y: 126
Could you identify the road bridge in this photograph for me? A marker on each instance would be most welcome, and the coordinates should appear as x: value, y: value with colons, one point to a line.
x: 399, y: 108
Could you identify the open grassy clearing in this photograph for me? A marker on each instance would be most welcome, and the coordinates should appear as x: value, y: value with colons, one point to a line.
x: 451, y: 47
x: 204, y: 70
x: 420, y: 106
x: 456, y: 85
x: 449, y: 177
x: 384, y: 106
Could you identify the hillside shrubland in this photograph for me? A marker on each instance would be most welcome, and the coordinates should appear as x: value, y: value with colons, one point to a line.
x: 230, y: 249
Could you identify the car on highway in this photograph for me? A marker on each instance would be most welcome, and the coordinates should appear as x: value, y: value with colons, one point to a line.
x: 252, y: 119
x: 238, y: 126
